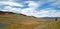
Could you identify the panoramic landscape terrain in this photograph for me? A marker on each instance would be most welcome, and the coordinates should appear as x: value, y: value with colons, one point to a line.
x: 10, y: 20
x: 29, y: 14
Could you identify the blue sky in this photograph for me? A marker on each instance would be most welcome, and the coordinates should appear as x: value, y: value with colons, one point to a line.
x: 37, y: 8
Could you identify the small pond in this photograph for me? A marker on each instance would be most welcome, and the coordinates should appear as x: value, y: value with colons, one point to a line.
x: 3, y: 25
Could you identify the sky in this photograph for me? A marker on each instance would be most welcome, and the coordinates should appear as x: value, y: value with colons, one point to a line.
x: 37, y: 8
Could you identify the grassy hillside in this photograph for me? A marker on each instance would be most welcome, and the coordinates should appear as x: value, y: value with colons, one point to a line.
x: 17, y: 21
x: 9, y: 20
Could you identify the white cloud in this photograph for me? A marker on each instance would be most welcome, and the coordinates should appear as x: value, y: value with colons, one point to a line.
x: 5, y: 0
x: 28, y: 11
x: 9, y: 0
x: 32, y: 3
x: 47, y: 13
x: 3, y: 10
x: 31, y: 10
x: 11, y: 3
x: 10, y: 9
x: 55, y: 3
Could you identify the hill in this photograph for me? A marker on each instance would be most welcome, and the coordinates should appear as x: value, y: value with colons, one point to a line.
x: 17, y: 18
x: 10, y: 20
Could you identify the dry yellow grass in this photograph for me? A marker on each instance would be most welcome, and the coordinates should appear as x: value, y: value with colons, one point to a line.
x: 18, y: 21
x: 26, y: 22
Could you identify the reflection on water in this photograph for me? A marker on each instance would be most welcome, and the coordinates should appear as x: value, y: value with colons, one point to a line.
x: 3, y: 25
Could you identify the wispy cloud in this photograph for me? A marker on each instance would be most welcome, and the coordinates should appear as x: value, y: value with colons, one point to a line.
x: 47, y: 13
x: 42, y: 8
x: 10, y: 9
x: 10, y: 3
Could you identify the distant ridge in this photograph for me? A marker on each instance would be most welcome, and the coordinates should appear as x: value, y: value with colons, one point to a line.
x: 48, y: 17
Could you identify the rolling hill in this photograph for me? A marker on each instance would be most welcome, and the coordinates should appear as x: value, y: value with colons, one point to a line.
x: 10, y: 20
x: 17, y: 18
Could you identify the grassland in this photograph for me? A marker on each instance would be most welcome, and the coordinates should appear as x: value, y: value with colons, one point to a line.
x: 25, y: 22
